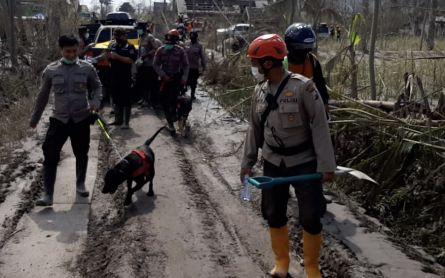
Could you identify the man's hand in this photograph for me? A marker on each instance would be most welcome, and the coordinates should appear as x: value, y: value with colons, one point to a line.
x: 32, y: 125
x: 166, y: 78
x: 94, y: 109
x: 328, y: 177
x: 114, y: 56
x: 245, y: 172
x: 183, y: 82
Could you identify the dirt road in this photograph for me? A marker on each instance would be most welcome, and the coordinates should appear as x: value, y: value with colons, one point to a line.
x: 195, y: 226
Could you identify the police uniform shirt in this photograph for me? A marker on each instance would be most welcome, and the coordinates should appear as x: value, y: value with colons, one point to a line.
x: 118, y: 68
x: 70, y: 85
x: 300, y: 116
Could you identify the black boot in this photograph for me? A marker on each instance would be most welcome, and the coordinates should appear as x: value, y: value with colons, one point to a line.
x: 81, y: 172
x: 49, y: 178
x: 127, y: 115
x: 193, y: 90
x: 118, y: 115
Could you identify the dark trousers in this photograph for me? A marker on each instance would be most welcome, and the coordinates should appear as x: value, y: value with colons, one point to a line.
x: 169, y: 97
x: 148, y: 85
x: 193, y: 81
x: 121, y: 90
x: 311, y: 202
x: 58, y: 133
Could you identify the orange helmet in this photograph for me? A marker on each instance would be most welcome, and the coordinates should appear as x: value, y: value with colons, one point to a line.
x: 270, y: 45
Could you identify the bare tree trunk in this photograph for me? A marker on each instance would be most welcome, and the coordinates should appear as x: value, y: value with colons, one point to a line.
x: 23, y: 36
x: 431, y: 25
x: 292, y: 12
x: 364, y: 28
x: 54, y: 24
x: 414, y: 17
x: 354, y: 73
x: 375, y: 18
x: 12, y: 39
x: 422, y: 35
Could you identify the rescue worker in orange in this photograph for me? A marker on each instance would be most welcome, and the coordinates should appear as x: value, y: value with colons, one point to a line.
x: 288, y: 122
x: 300, y: 41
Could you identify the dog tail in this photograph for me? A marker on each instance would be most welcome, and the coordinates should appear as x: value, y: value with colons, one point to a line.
x: 152, y: 138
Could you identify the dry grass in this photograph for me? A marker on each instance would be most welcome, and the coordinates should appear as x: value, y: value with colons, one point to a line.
x: 390, y: 67
x: 14, y: 124
x: 233, y: 81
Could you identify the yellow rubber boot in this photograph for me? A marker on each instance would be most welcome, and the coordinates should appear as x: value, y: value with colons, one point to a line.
x: 311, y: 253
x: 280, y: 246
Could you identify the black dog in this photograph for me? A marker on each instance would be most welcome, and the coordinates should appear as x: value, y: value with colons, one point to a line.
x: 137, y: 166
x: 184, y: 106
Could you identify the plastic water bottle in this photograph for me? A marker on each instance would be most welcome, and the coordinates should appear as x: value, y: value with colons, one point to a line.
x: 245, y: 191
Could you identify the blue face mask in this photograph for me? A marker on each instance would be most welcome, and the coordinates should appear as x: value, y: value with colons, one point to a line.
x: 69, y: 62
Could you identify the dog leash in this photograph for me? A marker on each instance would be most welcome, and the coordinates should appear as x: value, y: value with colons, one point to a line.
x: 103, y: 126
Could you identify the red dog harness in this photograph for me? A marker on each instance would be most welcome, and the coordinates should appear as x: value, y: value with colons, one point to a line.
x: 145, y: 167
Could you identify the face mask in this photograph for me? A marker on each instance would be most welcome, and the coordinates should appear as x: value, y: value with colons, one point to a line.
x: 169, y: 46
x: 87, y: 35
x: 257, y: 75
x: 69, y: 62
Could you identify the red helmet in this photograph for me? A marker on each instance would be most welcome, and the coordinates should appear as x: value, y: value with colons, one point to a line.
x: 173, y: 33
x: 270, y: 45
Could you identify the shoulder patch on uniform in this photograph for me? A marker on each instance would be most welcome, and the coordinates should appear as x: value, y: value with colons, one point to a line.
x: 299, y: 77
x: 310, y: 87
x: 55, y: 63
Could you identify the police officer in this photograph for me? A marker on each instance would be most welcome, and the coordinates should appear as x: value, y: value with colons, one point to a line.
x: 69, y: 78
x: 294, y: 138
x: 147, y: 76
x: 122, y: 55
x: 300, y: 41
x: 172, y: 66
x: 196, y: 57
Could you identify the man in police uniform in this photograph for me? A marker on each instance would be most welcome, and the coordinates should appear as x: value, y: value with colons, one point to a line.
x: 122, y: 55
x: 294, y: 141
x: 69, y: 78
x: 172, y: 66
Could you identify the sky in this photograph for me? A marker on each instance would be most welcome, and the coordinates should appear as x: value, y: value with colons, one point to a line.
x: 90, y: 3
x: 116, y: 3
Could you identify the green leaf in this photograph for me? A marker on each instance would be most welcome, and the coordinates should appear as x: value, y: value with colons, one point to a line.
x: 355, y: 39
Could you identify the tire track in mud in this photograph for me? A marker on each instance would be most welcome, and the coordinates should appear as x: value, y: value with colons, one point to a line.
x: 19, y: 168
x: 113, y: 249
x: 201, y: 201
x: 214, y: 214
x: 9, y: 174
x: 26, y: 204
